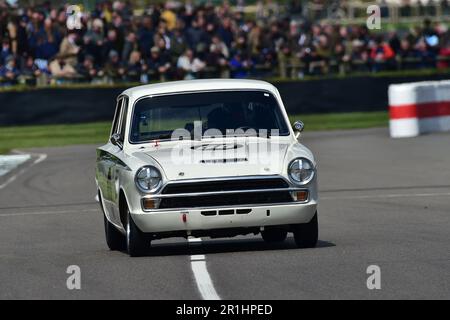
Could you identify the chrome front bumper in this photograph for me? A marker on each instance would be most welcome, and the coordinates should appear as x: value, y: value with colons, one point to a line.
x: 230, y: 210
x: 193, y: 219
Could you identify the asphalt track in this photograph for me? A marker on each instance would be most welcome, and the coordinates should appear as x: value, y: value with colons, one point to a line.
x: 383, y: 202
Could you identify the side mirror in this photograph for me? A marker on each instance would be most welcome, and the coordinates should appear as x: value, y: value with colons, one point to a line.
x: 115, y: 140
x: 298, y: 127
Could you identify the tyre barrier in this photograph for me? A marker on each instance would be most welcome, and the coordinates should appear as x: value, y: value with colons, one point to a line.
x: 419, y: 107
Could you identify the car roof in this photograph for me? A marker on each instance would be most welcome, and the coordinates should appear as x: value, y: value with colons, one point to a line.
x: 197, y: 85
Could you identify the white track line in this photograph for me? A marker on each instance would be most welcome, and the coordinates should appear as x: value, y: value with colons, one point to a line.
x: 10, y: 162
x: 387, y: 196
x: 201, y: 275
x: 39, y: 158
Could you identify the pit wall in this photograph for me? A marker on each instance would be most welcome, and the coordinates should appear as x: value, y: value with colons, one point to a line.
x: 89, y: 104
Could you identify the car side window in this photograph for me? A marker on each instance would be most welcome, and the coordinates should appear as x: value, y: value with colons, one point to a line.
x: 123, y: 123
x: 117, y: 115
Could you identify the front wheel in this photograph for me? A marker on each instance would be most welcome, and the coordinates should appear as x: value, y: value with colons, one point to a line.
x: 138, y: 243
x: 306, y: 234
x: 114, y: 238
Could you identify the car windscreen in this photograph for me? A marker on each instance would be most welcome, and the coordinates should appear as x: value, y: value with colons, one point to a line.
x: 157, y: 117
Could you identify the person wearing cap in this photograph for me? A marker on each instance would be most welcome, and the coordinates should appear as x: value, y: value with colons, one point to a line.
x: 114, y: 69
x: 359, y: 57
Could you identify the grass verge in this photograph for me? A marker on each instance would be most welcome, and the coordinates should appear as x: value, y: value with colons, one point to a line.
x: 91, y: 133
x: 336, y: 121
x: 52, y: 135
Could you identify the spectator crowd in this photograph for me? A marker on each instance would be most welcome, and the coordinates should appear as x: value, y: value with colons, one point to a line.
x: 116, y: 42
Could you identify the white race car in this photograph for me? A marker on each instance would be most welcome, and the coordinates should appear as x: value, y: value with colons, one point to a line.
x: 205, y: 158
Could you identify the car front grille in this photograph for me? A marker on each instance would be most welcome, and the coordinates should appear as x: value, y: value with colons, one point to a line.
x: 235, y: 198
x: 225, y: 185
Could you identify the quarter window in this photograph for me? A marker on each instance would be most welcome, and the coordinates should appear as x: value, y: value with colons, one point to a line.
x: 123, y: 124
x: 117, y: 114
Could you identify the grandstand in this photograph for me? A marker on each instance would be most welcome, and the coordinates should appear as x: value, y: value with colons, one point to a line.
x: 145, y: 41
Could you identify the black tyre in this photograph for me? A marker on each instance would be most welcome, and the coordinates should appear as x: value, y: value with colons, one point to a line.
x: 114, y: 238
x: 138, y: 244
x: 306, y: 234
x: 271, y: 235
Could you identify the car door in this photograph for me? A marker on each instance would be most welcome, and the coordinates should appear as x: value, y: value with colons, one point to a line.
x: 117, y: 155
x: 107, y: 168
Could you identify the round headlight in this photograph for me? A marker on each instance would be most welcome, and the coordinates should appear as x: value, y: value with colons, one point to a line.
x: 301, y: 171
x: 148, y: 179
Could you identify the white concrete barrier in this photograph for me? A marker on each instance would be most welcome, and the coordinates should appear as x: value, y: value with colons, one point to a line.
x: 419, y: 107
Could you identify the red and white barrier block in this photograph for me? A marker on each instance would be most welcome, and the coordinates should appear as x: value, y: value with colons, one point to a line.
x: 419, y: 107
